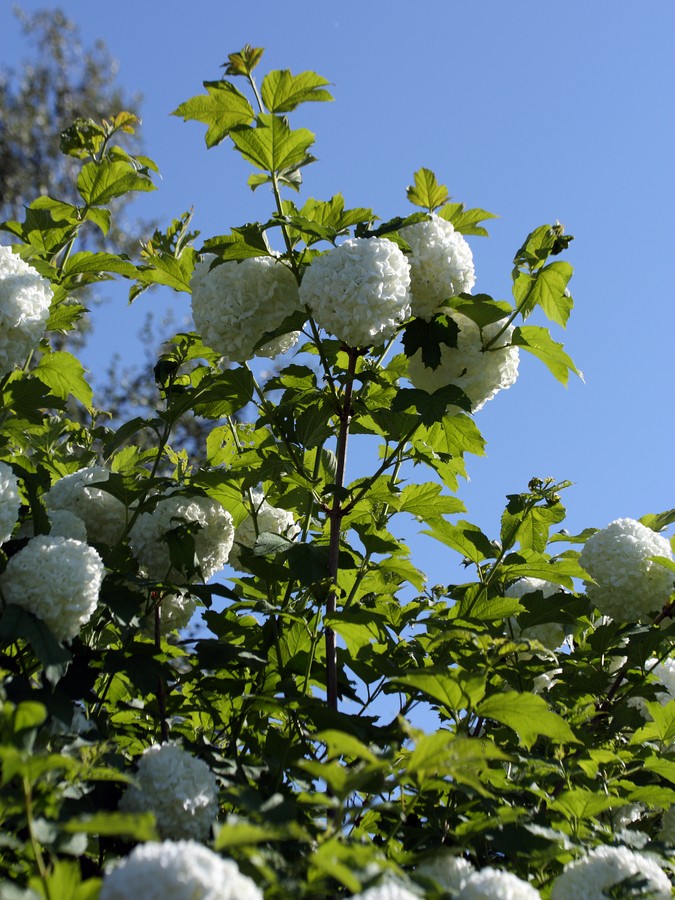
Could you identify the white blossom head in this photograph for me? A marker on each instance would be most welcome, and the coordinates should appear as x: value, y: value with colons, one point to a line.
x: 175, y: 611
x: 550, y: 634
x: 212, y: 538
x: 10, y: 501
x: 629, y: 587
x: 592, y: 876
x: 359, y: 291
x: 664, y: 672
x: 178, y: 788
x: 448, y: 871
x: 235, y: 303
x: 104, y: 516
x: 25, y: 297
x: 267, y: 520
x: 388, y: 890
x: 441, y: 265
x: 480, y: 374
x: 58, y: 580
x: 496, y: 884
x: 66, y: 524
x: 177, y: 870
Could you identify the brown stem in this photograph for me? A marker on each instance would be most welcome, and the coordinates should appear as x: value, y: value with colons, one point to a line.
x: 336, y: 514
x: 161, y: 686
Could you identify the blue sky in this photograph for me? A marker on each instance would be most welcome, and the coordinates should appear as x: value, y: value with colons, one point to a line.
x: 535, y: 111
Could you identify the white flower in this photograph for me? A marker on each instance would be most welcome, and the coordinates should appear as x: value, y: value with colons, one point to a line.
x: 212, y: 540
x: 495, y: 884
x: 58, y: 580
x: 629, y: 586
x: 441, y: 265
x: 177, y: 870
x: 359, y: 291
x: 24, y: 309
x: 667, y: 832
x: 480, y: 374
x: 9, y: 501
x: 104, y: 516
x: 178, y: 788
x: 591, y: 877
x: 278, y: 345
x: 68, y: 525
x: 545, y: 681
x: 550, y: 634
x: 175, y: 611
x: 235, y: 303
x: 268, y: 520
x: 664, y: 672
x: 448, y: 871
x: 389, y: 890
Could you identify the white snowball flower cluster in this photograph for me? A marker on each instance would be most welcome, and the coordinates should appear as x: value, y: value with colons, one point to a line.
x: 591, y: 877
x: 178, y: 788
x: 212, y: 540
x: 495, y: 884
x: 359, y: 291
x: 480, y: 374
x: 389, y: 890
x: 448, y: 871
x: 9, y: 502
x: 25, y: 297
x: 550, y: 634
x: 176, y: 610
x: 663, y: 671
x: 269, y: 519
x: 667, y: 832
x: 177, y: 870
x: 441, y: 265
x: 629, y: 586
x: 104, y: 516
x: 58, y: 580
x: 68, y: 525
x: 235, y: 303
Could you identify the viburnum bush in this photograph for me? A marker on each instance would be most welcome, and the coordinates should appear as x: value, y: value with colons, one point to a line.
x: 532, y: 749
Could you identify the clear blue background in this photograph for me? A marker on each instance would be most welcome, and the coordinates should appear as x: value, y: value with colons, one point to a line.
x: 535, y: 111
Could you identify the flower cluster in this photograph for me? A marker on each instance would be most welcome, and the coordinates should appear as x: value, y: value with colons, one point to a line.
x: 235, y: 303
x: 9, y: 502
x: 592, y: 876
x: 629, y: 586
x: 389, y: 890
x: 212, y: 538
x: 479, y: 373
x: 448, y: 871
x: 496, y: 884
x: 176, y: 610
x: 267, y: 520
x: 359, y: 291
x: 104, y: 516
x: 58, y: 580
x: 25, y: 297
x: 664, y: 672
x: 178, y: 788
x: 550, y: 634
x: 441, y: 265
x: 177, y: 870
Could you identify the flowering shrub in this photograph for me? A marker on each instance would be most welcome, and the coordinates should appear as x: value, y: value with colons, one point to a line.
x: 58, y: 580
x: 441, y: 265
x: 9, y: 502
x: 359, y: 291
x: 178, y: 788
x: 627, y: 585
x: 177, y: 870
x: 348, y: 722
x: 481, y: 373
x: 235, y: 303
x: 24, y: 307
x: 212, y: 536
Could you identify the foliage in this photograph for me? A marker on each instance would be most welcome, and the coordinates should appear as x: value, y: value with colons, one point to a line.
x: 286, y: 690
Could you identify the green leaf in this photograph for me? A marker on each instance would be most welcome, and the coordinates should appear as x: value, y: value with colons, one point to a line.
x: 63, y: 374
x: 224, y: 394
x: 17, y: 623
x: 465, y: 538
x: 454, y: 688
x: 462, y: 759
x: 135, y: 826
x: 222, y: 108
x: 529, y: 716
x: 482, y: 309
x: 98, y: 263
x: 580, y: 804
x: 658, y: 521
x: 430, y: 407
x: 271, y: 145
x: 241, y: 243
x: 426, y: 501
x: 537, y: 341
x: 173, y: 271
x: 281, y: 91
x: 547, y: 289
x: 427, y: 192
x: 429, y: 337
x: 662, y: 726
x: 340, y: 743
x: 244, y: 834
x: 466, y: 220
x: 99, y: 183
